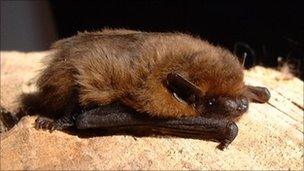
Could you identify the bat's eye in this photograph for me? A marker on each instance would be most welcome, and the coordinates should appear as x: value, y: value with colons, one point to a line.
x: 211, y: 102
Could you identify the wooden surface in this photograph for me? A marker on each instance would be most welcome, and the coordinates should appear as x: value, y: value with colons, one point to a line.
x: 270, y: 135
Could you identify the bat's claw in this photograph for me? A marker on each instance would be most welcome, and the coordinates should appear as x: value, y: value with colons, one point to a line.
x: 44, y: 123
x: 51, y: 125
x: 223, y: 145
x: 230, y: 134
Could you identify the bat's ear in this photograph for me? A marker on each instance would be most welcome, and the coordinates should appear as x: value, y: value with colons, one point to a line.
x: 183, y: 88
x: 257, y: 94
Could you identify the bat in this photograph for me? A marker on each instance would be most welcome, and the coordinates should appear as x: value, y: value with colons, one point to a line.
x: 173, y: 81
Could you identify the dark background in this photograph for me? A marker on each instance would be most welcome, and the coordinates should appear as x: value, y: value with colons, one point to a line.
x: 264, y: 30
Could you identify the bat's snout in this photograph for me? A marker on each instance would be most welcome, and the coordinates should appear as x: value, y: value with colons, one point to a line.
x: 243, y: 105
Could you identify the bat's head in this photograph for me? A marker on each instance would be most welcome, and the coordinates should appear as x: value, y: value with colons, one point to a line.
x: 223, y: 106
x: 230, y: 106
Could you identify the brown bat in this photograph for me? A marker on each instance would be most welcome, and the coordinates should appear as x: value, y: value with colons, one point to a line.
x: 176, y: 83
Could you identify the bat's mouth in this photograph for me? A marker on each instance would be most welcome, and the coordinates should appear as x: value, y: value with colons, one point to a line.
x: 124, y: 119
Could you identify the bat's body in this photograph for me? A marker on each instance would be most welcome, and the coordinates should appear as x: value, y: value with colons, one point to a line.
x: 133, y: 67
x: 164, y: 75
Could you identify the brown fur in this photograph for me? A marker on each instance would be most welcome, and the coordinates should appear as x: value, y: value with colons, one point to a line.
x: 131, y: 67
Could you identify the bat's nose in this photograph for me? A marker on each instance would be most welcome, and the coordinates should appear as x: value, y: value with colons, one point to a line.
x: 243, y: 105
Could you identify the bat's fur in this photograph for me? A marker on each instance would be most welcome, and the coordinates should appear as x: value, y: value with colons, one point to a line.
x: 131, y: 67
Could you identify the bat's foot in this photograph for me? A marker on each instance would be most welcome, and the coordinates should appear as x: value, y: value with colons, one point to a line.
x: 49, y: 124
x: 44, y: 123
x: 63, y: 123
x: 230, y: 134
